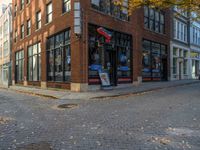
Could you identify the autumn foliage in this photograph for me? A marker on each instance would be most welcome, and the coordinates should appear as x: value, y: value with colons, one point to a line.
x: 189, y: 5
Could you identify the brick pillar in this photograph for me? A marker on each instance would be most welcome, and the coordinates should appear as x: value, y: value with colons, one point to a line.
x: 43, y: 63
x: 25, y: 65
x: 13, y: 68
x: 78, y: 65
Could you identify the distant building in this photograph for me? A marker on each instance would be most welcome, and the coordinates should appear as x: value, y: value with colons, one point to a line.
x: 180, y: 49
x: 185, y: 46
x: 194, y: 48
x: 5, y: 45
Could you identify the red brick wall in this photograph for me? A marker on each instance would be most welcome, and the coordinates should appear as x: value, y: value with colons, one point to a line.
x: 59, y: 23
x: 79, y: 46
x: 135, y: 27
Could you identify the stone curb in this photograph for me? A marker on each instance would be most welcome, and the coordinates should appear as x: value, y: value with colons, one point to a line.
x: 30, y: 93
x: 143, y: 91
x: 103, y: 97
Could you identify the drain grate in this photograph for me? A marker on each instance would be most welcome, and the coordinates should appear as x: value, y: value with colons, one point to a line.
x: 67, y: 106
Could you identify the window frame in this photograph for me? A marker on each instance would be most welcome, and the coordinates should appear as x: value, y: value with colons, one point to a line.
x: 21, y: 5
x: 38, y: 20
x: 22, y: 29
x: 148, y: 20
x: 38, y: 56
x: 52, y: 48
x: 64, y: 3
x: 49, y: 13
x: 28, y: 27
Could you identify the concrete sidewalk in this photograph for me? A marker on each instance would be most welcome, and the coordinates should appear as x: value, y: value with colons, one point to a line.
x: 121, y: 90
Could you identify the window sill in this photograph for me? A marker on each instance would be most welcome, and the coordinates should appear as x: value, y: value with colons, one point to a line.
x: 28, y: 35
x: 180, y: 40
x: 37, y: 30
x: 21, y: 39
x: 48, y: 23
x: 64, y: 13
x: 163, y: 34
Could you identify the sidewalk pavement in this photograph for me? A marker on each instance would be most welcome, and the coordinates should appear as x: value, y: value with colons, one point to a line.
x: 121, y: 90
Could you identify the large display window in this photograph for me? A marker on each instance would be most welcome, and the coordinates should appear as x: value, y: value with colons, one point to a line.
x: 59, y: 57
x: 154, y: 61
x: 113, y: 55
x: 19, y: 66
x: 34, y: 62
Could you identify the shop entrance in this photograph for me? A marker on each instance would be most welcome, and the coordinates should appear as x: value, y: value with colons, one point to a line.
x: 111, y: 65
x: 180, y: 70
x: 164, y: 69
x: 109, y: 51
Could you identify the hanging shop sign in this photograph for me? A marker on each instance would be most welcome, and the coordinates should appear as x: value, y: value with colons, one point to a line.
x: 194, y: 55
x: 107, y: 34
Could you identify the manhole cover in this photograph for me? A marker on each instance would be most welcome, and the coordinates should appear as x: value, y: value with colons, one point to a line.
x: 67, y: 106
x: 36, y: 146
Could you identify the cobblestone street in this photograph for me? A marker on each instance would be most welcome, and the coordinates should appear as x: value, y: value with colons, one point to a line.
x: 166, y: 119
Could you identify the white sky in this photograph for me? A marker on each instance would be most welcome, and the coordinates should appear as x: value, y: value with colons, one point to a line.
x: 5, y: 1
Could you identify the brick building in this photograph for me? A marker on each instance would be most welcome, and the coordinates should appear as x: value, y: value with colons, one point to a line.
x: 64, y: 44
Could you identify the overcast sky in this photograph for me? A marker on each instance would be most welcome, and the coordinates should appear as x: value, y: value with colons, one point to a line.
x: 5, y: 1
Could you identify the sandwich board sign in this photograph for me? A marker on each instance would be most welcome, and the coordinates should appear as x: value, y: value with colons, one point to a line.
x: 105, y: 80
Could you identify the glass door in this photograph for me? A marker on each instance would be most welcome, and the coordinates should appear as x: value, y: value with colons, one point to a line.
x: 111, y: 66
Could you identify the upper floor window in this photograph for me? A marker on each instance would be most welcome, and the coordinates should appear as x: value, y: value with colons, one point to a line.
x: 66, y: 5
x: 180, y: 30
x: 195, y: 38
x: 28, y: 1
x: 154, y: 20
x: 22, y: 4
x: 38, y: 20
x: 49, y: 12
x: 108, y: 7
x: 22, y: 31
x: 28, y: 27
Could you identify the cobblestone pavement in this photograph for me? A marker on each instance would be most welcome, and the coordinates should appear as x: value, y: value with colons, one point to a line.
x: 168, y: 119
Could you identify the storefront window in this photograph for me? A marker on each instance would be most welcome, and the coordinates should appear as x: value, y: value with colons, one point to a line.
x: 59, y: 57
x: 154, y: 61
x: 124, y: 54
x: 19, y: 66
x: 34, y: 68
